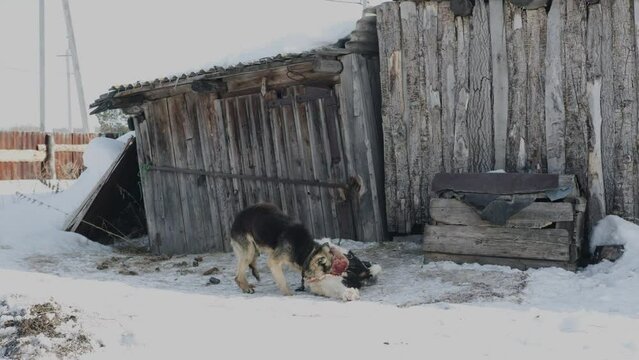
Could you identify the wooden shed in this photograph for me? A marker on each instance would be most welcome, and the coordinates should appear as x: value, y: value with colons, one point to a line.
x: 300, y: 130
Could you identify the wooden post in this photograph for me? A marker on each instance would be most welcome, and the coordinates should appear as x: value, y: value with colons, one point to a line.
x: 48, y: 166
x: 500, y: 80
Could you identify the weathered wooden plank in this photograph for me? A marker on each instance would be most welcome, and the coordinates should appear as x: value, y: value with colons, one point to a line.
x: 389, y: 33
x: 234, y: 149
x: 431, y: 142
x: 536, y: 215
x: 480, y: 115
x: 536, y: 124
x: 320, y: 166
x: 522, y: 264
x: 554, y: 96
x: 245, y: 149
x: 293, y: 159
x: 363, y: 145
x: 545, y: 244
x: 148, y: 182
x: 195, y: 208
x: 312, y: 199
x: 338, y: 169
x: 447, y: 40
x: 530, y: 4
x: 202, y: 105
x: 461, y: 156
x: 518, y: 68
x: 625, y: 109
x: 228, y: 199
x: 596, y: 193
x: 499, y: 80
x: 263, y: 193
x: 608, y: 131
x: 575, y: 96
x: 277, y: 130
x: 408, y: 139
x: 172, y: 239
x: 268, y: 151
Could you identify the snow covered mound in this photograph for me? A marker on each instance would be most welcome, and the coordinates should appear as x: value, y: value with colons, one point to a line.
x: 32, y: 224
x: 613, y: 230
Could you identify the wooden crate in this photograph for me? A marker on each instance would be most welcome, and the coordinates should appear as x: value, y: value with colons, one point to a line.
x: 545, y: 233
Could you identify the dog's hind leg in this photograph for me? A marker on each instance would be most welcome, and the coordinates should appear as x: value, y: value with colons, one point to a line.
x: 275, y: 265
x: 245, y: 255
x: 253, y: 267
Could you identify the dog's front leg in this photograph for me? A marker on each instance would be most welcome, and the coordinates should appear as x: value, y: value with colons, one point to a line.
x: 332, y: 286
x: 275, y: 266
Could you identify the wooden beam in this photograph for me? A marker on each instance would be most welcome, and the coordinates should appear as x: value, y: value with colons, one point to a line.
x: 536, y: 215
x: 500, y: 80
x: 208, y: 86
x: 543, y: 244
x: 554, y: 95
x: 22, y: 155
x: 64, y: 147
x: 521, y: 264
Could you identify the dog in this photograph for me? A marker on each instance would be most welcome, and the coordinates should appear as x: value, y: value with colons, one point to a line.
x: 265, y: 228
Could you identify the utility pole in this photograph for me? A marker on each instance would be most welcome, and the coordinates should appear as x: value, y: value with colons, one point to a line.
x: 41, y: 62
x: 67, y: 60
x: 76, y: 65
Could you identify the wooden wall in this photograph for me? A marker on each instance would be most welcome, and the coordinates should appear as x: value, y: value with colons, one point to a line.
x: 205, y: 158
x: 21, y: 158
x: 545, y: 90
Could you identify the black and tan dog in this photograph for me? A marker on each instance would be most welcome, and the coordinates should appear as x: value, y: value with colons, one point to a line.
x: 328, y: 272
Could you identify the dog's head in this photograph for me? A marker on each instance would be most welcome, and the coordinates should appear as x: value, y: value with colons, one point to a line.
x: 318, y: 263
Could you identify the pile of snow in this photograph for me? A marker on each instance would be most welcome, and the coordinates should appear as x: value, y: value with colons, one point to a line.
x: 32, y: 224
x: 613, y: 230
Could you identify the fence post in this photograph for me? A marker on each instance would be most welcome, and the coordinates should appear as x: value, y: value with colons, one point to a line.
x: 48, y: 166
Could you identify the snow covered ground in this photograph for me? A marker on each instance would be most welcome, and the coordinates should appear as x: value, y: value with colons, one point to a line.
x: 62, y: 295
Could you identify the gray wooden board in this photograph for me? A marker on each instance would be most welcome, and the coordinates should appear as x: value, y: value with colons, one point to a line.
x: 202, y: 105
x: 231, y: 199
x: 518, y: 91
x: 247, y: 166
x: 608, y: 131
x: 462, y: 95
x: 277, y: 131
x: 535, y: 215
x: 625, y: 110
x: 147, y: 179
x: 430, y: 140
x: 481, y: 149
x: 318, y: 151
x: 499, y: 80
x: 269, y: 154
x: 535, y: 102
x: 389, y: 33
x: 233, y: 148
x: 193, y: 188
x: 312, y: 196
x: 410, y: 131
x: 575, y: 95
x: 447, y: 51
x: 257, y: 146
x: 173, y: 239
x: 544, y: 244
x: 345, y: 219
x: 517, y: 263
x: 554, y: 95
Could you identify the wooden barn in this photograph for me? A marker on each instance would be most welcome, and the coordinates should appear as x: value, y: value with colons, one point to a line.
x: 300, y: 130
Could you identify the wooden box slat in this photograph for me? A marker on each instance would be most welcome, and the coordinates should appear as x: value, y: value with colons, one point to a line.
x: 536, y: 215
x: 544, y: 244
x: 516, y: 263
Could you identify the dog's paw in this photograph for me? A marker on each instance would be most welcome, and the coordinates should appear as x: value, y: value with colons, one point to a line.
x: 250, y: 289
x: 350, y: 294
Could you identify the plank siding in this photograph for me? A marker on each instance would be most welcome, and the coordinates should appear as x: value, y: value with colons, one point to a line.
x: 562, y: 80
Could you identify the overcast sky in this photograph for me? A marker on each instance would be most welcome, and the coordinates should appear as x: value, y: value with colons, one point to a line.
x: 121, y: 41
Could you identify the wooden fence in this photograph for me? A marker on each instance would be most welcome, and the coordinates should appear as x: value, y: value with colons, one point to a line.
x: 526, y: 90
x: 22, y: 154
